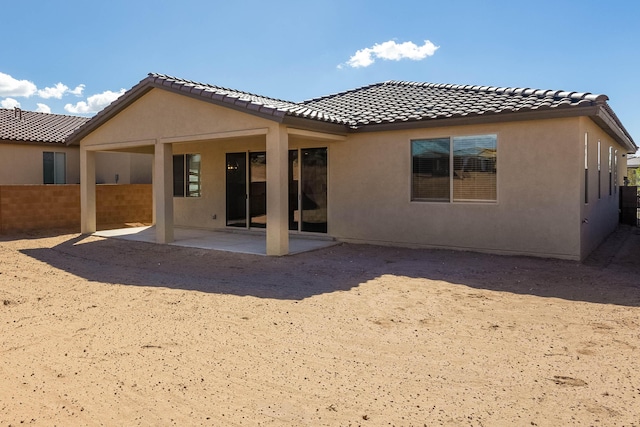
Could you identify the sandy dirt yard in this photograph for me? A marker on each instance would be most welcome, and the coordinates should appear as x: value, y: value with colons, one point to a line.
x: 107, y: 332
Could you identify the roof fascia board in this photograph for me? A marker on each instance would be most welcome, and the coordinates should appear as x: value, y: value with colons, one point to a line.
x: 114, y: 108
x: 315, y: 125
x: 480, y: 119
x: 272, y: 114
x: 33, y: 143
x: 147, y: 85
x: 316, y: 135
x: 603, y: 119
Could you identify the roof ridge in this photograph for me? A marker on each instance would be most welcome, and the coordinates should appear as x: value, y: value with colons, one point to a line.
x: 344, y: 92
x: 42, y: 112
x: 208, y: 85
x: 526, y: 91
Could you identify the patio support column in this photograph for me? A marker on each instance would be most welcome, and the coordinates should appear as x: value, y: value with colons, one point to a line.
x: 163, y: 192
x: 87, y: 191
x: 277, y: 191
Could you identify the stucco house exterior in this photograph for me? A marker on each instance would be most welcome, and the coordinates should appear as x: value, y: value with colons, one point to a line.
x: 33, y: 151
x: 490, y: 169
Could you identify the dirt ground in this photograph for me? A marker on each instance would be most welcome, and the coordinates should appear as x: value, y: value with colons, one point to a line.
x: 108, y: 332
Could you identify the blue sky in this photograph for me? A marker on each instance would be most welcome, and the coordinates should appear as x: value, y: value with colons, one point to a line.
x: 74, y: 57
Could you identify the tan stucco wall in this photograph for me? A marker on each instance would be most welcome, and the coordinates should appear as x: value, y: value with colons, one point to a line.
x: 130, y: 168
x: 161, y: 114
x: 537, y: 211
x: 21, y: 163
x: 540, y: 206
x: 600, y: 214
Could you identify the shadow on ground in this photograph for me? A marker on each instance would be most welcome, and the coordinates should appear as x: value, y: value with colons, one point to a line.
x: 609, y: 276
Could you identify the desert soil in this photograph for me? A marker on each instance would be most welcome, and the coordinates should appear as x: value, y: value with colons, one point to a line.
x: 98, y: 331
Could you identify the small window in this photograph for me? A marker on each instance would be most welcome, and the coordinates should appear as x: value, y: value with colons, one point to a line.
x: 599, y: 172
x: 586, y: 168
x: 610, y: 170
x: 186, y: 175
x: 615, y: 171
x: 54, y: 168
x: 459, y: 169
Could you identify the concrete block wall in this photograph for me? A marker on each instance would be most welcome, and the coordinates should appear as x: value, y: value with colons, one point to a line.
x: 121, y: 204
x: 57, y: 207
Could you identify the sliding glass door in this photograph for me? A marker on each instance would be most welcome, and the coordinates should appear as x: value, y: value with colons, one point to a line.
x: 308, y: 190
x: 242, y: 198
x: 246, y: 188
x: 237, y: 190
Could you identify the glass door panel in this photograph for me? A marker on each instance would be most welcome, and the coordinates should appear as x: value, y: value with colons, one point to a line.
x: 314, y: 190
x: 237, y: 189
x: 294, y: 179
x: 258, y: 189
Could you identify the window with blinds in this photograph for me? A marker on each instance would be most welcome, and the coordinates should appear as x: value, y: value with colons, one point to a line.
x: 431, y: 169
x: 459, y: 169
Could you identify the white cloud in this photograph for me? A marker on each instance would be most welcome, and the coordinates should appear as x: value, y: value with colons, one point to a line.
x: 43, y: 108
x: 13, y: 87
x: 59, y: 90
x: 9, y: 103
x: 77, y: 91
x: 94, y: 103
x: 53, y: 92
x: 390, y: 50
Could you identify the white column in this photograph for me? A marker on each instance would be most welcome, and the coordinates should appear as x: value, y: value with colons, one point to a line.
x: 277, y: 191
x: 163, y: 192
x: 87, y: 191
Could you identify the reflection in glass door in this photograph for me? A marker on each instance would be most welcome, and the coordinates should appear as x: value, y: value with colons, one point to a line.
x: 258, y: 189
x: 237, y: 189
x: 308, y: 190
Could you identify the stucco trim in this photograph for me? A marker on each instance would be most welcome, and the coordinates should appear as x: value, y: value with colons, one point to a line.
x: 111, y: 146
x: 316, y: 135
x: 215, y: 135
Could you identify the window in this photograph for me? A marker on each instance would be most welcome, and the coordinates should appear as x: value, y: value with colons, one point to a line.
x: 469, y: 175
x: 186, y: 175
x: 599, y: 172
x: 615, y: 171
x: 54, y: 168
x: 610, y: 168
x: 586, y: 168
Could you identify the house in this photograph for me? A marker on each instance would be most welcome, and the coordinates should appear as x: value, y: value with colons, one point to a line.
x: 499, y: 170
x: 633, y: 170
x: 33, y: 151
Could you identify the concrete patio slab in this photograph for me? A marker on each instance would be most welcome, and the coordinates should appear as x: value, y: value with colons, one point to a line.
x: 229, y: 241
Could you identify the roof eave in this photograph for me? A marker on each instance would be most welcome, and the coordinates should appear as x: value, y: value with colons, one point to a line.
x: 152, y: 82
x: 614, y: 128
x: 315, y: 125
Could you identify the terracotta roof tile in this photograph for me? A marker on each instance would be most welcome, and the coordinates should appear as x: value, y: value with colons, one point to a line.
x: 31, y: 126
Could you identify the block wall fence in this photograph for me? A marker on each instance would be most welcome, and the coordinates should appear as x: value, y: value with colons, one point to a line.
x: 57, y: 207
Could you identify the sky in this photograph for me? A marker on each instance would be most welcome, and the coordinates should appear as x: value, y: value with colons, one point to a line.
x: 75, y: 57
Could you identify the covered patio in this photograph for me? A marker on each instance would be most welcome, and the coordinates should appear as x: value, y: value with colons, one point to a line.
x: 246, y: 242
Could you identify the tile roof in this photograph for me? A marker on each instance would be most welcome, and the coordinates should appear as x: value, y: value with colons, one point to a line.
x: 31, y: 126
x: 388, y: 103
x: 399, y: 101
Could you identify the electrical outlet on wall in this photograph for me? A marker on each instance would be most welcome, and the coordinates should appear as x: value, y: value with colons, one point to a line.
x: 214, y: 216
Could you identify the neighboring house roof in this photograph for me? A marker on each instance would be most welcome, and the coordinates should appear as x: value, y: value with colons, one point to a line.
x: 388, y: 105
x: 17, y: 125
x: 633, y: 162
